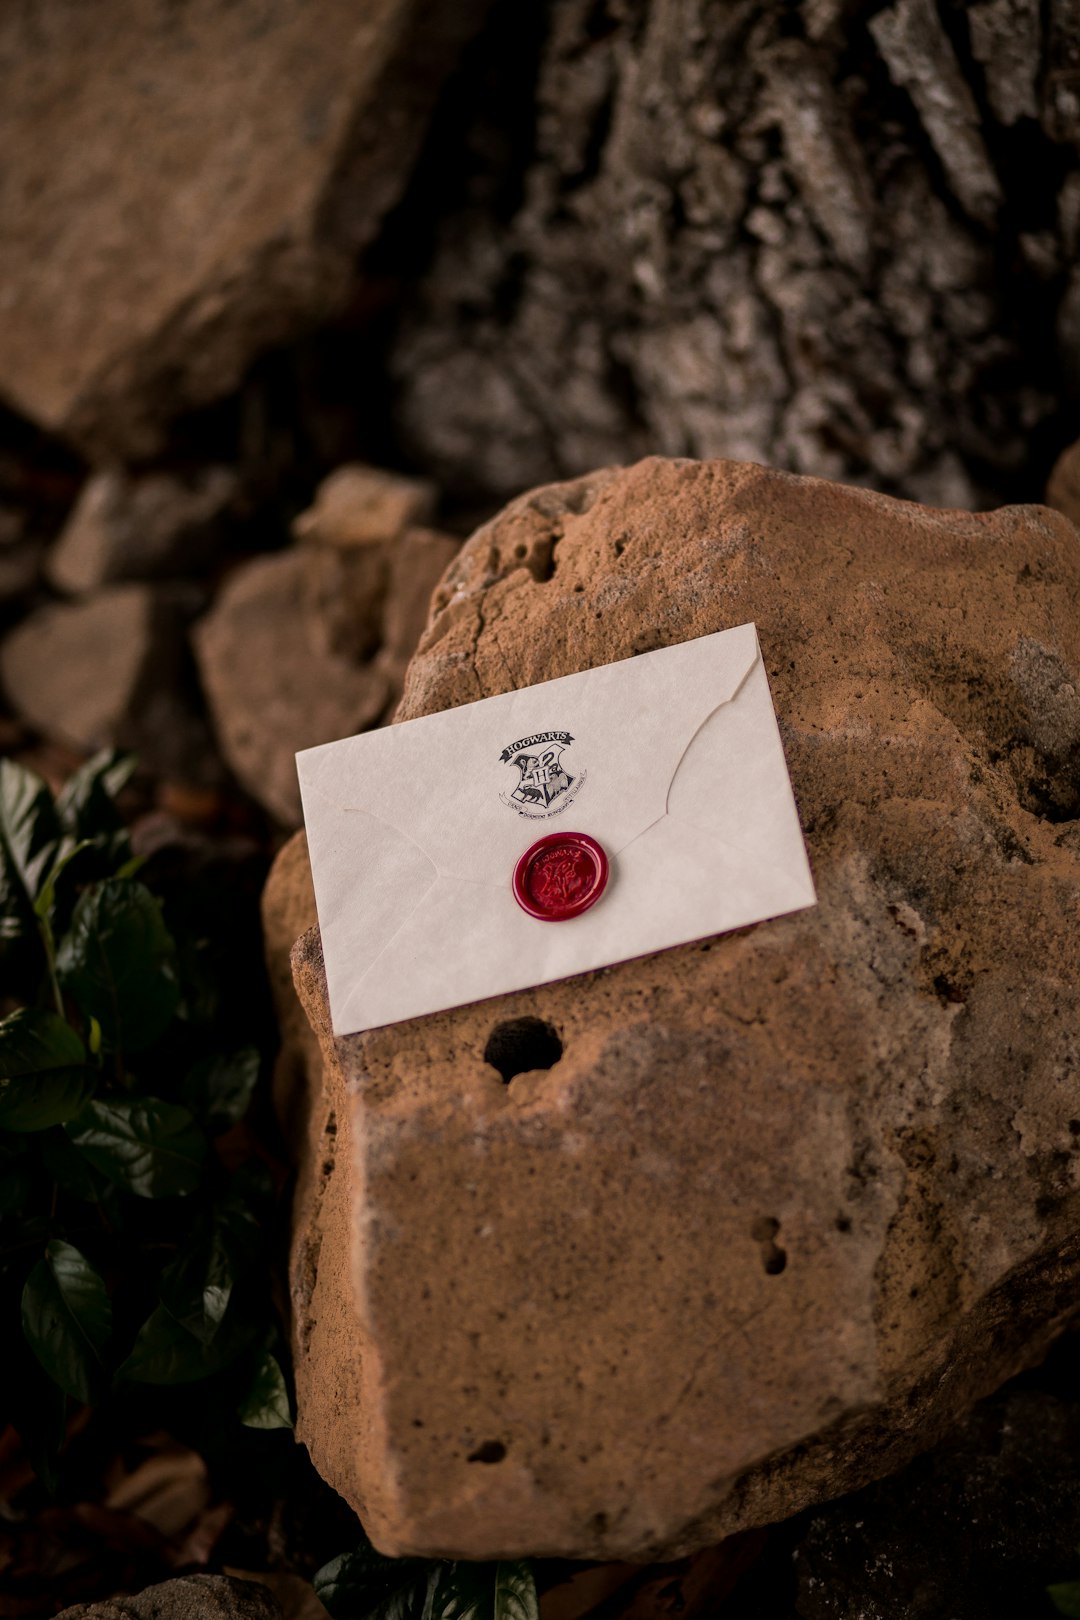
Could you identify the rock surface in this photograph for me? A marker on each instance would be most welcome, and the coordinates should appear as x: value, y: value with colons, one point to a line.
x: 136, y: 286
x: 311, y: 645
x: 793, y: 1198
x: 111, y: 670
x: 189, y: 1597
x: 976, y: 1530
x: 148, y: 527
x: 281, y: 655
x: 359, y: 506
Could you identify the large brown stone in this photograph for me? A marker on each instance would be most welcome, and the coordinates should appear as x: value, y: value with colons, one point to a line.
x: 311, y: 645
x: 282, y: 655
x: 182, y: 188
x: 792, y: 1198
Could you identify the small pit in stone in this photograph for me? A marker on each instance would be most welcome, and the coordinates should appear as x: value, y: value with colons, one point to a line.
x: 492, y: 1451
x: 519, y: 1044
x: 773, y: 1257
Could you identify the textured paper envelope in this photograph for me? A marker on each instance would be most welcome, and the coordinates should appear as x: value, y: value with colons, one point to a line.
x: 672, y: 760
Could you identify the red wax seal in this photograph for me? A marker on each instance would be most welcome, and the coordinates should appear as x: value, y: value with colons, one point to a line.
x: 560, y: 876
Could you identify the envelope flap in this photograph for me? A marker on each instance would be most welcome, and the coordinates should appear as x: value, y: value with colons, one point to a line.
x: 447, y: 781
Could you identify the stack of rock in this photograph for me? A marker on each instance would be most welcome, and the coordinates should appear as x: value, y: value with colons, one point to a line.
x: 311, y: 644
x: 108, y: 663
x: 299, y: 646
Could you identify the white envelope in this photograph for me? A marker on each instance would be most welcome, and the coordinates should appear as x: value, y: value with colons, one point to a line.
x: 673, y: 763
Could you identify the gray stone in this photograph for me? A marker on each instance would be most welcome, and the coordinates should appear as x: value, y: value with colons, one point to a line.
x: 189, y: 1597
x: 976, y: 1530
x: 126, y: 527
x: 110, y: 670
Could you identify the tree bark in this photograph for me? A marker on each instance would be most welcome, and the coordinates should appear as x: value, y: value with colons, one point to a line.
x: 836, y: 237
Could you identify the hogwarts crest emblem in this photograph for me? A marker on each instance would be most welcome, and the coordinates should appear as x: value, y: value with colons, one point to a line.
x: 544, y: 785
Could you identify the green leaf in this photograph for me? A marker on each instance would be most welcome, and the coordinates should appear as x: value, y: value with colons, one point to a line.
x: 67, y: 1319
x: 502, y: 1591
x: 29, y: 833
x: 44, y: 1076
x: 66, y: 853
x: 166, y: 1353
x: 218, y: 1090
x: 197, y: 1286
x: 266, y: 1404
x: 363, y: 1585
x: 34, y: 1102
x: 118, y: 963
x: 85, y: 802
x: 149, y: 1147
x: 1065, y: 1596
x: 32, y: 1042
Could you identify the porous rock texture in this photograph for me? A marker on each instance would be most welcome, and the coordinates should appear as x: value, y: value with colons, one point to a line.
x: 189, y: 1597
x: 792, y: 1198
x: 183, y: 187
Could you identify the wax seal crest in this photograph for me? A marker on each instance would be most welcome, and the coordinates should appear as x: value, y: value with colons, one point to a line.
x: 560, y: 876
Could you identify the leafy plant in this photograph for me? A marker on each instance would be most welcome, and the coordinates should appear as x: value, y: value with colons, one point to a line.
x: 1065, y: 1596
x: 133, y: 1250
x: 365, y: 1585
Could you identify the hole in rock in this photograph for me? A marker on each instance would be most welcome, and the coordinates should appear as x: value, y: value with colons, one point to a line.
x: 519, y: 1044
x: 492, y: 1451
x: 773, y: 1257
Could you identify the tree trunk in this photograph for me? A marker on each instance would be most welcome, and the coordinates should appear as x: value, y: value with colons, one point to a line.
x: 836, y: 237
